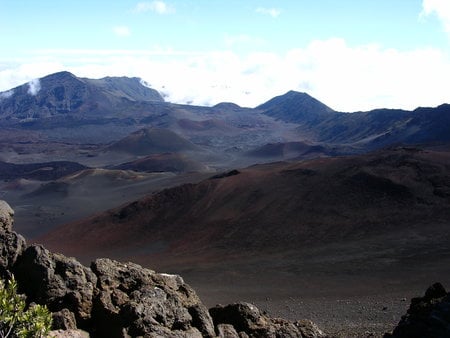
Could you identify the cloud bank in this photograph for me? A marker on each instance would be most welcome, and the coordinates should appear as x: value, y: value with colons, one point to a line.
x: 441, y: 8
x: 347, y: 78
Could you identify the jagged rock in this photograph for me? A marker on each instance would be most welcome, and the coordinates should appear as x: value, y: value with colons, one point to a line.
x: 226, y: 331
x: 6, y: 216
x: 68, y: 334
x: 427, y: 316
x: 64, y: 320
x: 11, y: 247
x: 144, y: 303
x: 56, y: 281
x: 247, y: 320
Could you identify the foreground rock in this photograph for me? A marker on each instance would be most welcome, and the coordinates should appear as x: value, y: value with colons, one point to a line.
x: 11, y: 244
x: 427, y: 316
x: 245, y: 320
x: 113, y: 299
x: 139, y: 302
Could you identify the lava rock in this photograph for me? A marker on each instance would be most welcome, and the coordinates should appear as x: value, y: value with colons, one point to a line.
x: 140, y: 302
x: 247, y: 320
x: 56, y: 281
x: 427, y: 316
x: 6, y: 216
x: 63, y: 320
x: 12, y: 246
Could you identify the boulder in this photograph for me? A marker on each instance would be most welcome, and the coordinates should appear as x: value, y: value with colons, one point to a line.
x: 12, y: 246
x: 56, y: 281
x: 248, y: 321
x: 68, y: 334
x: 427, y: 316
x: 6, y: 216
x: 133, y: 301
x: 64, y: 320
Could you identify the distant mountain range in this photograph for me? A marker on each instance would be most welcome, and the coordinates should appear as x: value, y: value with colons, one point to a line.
x: 109, y: 109
x: 287, y: 194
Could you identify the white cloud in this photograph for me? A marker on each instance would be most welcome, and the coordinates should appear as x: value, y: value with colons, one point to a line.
x: 273, y: 12
x: 34, y: 86
x: 441, y: 8
x: 159, y: 7
x: 122, y: 31
x: 347, y: 78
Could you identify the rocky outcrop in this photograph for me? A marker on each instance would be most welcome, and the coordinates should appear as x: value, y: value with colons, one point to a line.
x: 245, y: 320
x: 113, y: 299
x: 57, y: 281
x: 11, y: 244
x: 6, y: 216
x: 427, y: 316
x: 134, y: 301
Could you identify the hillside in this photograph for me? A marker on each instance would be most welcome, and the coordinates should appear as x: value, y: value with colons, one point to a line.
x: 152, y: 141
x: 278, y: 208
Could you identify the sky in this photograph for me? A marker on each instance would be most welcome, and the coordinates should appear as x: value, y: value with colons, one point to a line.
x: 350, y: 55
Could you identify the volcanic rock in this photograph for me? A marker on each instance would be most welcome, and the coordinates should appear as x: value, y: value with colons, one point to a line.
x: 56, y: 281
x: 6, y: 216
x: 145, y: 303
x: 246, y: 318
x: 427, y: 316
x: 64, y: 320
x: 68, y: 334
x: 11, y: 244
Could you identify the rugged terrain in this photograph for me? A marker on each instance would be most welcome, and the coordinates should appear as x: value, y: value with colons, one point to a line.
x: 292, y: 205
x: 337, y: 236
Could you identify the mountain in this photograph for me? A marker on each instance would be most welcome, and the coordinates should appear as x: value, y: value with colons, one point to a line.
x: 297, y: 108
x: 152, y: 141
x: 383, y: 127
x: 64, y: 94
x: 83, y: 116
x: 345, y: 212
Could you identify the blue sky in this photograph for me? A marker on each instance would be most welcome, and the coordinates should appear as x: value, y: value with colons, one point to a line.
x: 351, y: 55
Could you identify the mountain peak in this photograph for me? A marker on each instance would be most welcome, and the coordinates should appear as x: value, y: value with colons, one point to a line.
x: 65, y: 93
x: 296, y: 107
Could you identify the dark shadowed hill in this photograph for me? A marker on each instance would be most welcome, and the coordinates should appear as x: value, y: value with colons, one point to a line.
x: 167, y: 162
x: 152, y: 141
x: 296, y: 107
x: 38, y: 171
x: 383, y: 127
x: 290, y: 150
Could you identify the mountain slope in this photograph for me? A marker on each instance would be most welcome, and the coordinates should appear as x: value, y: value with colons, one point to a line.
x: 167, y: 162
x: 65, y: 94
x: 397, y: 196
x: 383, y: 127
x: 152, y: 141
